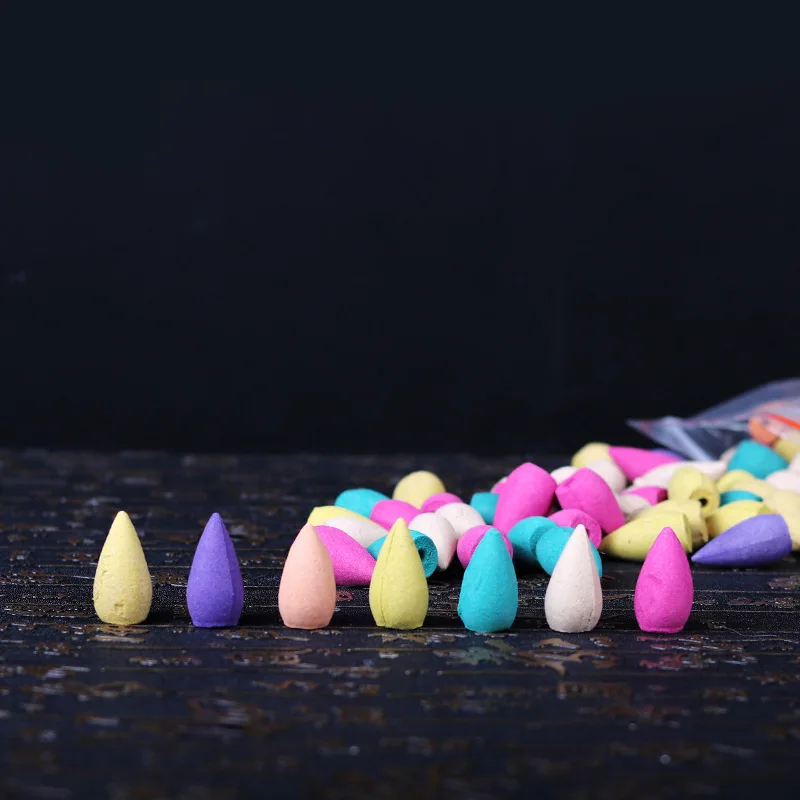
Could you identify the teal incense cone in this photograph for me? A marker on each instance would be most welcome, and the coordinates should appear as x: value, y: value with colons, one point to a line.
x: 551, y: 545
x: 757, y: 459
x: 485, y: 503
x: 489, y: 594
x: 361, y: 501
x: 737, y: 494
x: 525, y: 535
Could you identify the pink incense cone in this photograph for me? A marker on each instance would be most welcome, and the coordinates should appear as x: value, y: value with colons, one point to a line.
x: 352, y: 564
x: 437, y: 501
x: 653, y: 494
x: 528, y: 492
x: 572, y: 517
x: 587, y: 491
x: 635, y: 462
x: 664, y: 591
x: 387, y: 512
x: 472, y: 538
x: 307, y: 591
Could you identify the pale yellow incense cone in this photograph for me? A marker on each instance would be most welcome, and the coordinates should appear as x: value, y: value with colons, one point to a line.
x: 693, y: 512
x: 417, y: 487
x: 594, y: 451
x: 787, y: 504
x: 740, y: 480
x: 322, y: 514
x: 688, y: 483
x: 633, y: 540
x: 398, y: 592
x: 123, y: 590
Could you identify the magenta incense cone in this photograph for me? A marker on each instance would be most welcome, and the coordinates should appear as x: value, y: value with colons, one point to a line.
x: 653, y: 494
x: 588, y: 492
x: 664, y: 591
x: 635, y: 462
x: 572, y: 517
x: 527, y: 492
x: 352, y: 563
x: 436, y: 501
x: 214, y: 593
x: 387, y: 512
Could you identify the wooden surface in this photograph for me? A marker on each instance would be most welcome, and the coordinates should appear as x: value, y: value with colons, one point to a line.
x: 164, y: 710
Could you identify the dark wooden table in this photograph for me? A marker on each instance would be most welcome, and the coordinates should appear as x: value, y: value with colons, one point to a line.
x: 164, y: 710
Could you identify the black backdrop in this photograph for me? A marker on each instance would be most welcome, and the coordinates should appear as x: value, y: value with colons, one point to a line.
x: 475, y: 260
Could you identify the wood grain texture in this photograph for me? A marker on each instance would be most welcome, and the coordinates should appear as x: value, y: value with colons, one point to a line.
x: 165, y: 710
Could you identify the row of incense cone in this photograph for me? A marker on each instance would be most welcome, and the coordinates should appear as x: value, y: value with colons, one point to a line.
x: 398, y: 591
x: 743, y: 510
x: 123, y: 589
x: 488, y: 600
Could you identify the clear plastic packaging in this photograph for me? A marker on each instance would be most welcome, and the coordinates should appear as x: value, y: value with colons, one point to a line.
x: 768, y: 413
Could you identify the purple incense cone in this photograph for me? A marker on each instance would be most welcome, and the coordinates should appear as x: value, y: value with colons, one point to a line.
x: 215, y: 594
x: 754, y: 542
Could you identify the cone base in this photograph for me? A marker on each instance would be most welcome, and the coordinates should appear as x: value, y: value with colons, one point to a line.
x: 401, y: 626
x: 222, y: 623
x: 571, y: 628
x: 660, y: 628
x: 120, y: 621
x: 302, y: 627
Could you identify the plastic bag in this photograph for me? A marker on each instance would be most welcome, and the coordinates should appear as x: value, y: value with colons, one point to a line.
x: 768, y: 413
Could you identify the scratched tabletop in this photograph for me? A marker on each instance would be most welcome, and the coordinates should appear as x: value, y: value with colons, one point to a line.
x: 165, y: 710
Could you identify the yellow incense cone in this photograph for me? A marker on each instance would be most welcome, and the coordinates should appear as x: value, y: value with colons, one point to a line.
x: 417, y: 487
x: 398, y: 592
x: 634, y: 539
x: 787, y: 504
x: 689, y: 483
x: 123, y: 590
x: 732, y: 514
x: 730, y: 480
x: 594, y: 451
x: 739, y: 479
x: 786, y: 448
x: 692, y: 510
x: 321, y: 514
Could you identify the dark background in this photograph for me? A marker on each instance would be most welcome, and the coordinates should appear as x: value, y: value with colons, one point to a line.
x: 480, y: 257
